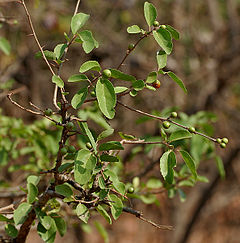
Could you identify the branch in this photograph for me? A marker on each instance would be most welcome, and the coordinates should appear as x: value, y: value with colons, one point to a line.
x: 165, y: 119
x: 139, y: 215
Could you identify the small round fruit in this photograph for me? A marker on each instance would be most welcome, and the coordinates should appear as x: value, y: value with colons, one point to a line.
x: 155, y: 23
x: 63, y: 150
x: 69, y: 125
x: 93, y: 94
x: 223, y: 145
x: 192, y: 129
x: 219, y: 140
x: 225, y: 140
x: 130, y: 47
x: 174, y: 114
x: 106, y: 73
x: 166, y: 124
x: 131, y: 190
x: 89, y: 145
x: 156, y: 84
x: 71, y: 149
x: 163, y: 26
x: 48, y: 112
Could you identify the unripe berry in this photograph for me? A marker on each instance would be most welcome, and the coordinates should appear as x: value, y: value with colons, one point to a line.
x: 166, y: 124
x: 106, y: 73
x: 93, y: 94
x: 155, y: 23
x: 223, y: 145
x: 71, y: 149
x: 89, y: 145
x: 163, y: 26
x: 219, y: 140
x: 192, y: 129
x: 225, y: 140
x: 63, y: 150
x: 174, y: 114
x: 130, y: 47
x: 131, y: 190
x: 48, y: 112
x: 69, y: 126
x: 156, y: 84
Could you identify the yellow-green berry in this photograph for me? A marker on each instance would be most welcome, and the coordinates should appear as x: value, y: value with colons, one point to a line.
x: 106, y: 73
x: 89, y: 145
x: 219, y: 140
x: 131, y: 190
x: 163, y: 26
x: 225, y: 140
x: 130, y: 47
x: 48, y: 112
x: 70, y: 126
x: 223, y: 145
x: 166, y: 124
x: 192, y: 129
x: 174, y: 114
x: 155, y: 23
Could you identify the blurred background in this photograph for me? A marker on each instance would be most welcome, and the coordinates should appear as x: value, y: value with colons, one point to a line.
x: 207, y: 58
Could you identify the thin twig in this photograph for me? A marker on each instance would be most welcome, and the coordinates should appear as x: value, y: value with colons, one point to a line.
x: 139, y: 215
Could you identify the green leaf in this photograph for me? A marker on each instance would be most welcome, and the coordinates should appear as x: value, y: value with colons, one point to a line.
x: 126, y: 136
x: 116, y: 206
x: 173, y: 32
x: 85, y: 162
x: 82, y: 212
x: 89, y: 43
x: 60, y: 224
x: 33, y: 179
x: 161, y: 59
x: 11, y: 231
x: 105, y: 134
x: 167, y: 163
x: 154, y: 183
x: 102, y: 231
x: 189, y: 162
x: 79, y: 98
x: 150, y: 13
x: 122, y: 76
x: 48, y: 236
x: 120, y: 89
x: 104, y: 213
x: 58, y: 81
x: 85, y: 128
x: 112, y: 145
x: 32, y: 192
x: 134, y: 29
x: 164, y: 40
x: 179, y: 135
x: 90, y: 65
x: 151, y: 77
x: 5, y: 46
x: 108, y: 158
x: 133, y: 93
x: 45, y: 220
x: 59, y: 50
x: 20, y: 214
x: 138, y: 85
x: 64, y: 189
x: 78, y: 21
x: 150, y: 87
x: 48, y: 54
x: 106, y: 97
x: 5, y: 219
x: 177, y: 80
x: 78, y: 78
x: 220, y: 166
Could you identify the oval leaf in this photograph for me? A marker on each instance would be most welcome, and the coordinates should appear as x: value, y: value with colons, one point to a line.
x: 21, y: 213
x: 90, y: 65
x: 82, y: 212
x: 180, y: 134
x: 11, y: 230
x: 177, y: 80
x: 106, y: 97
x: 108, y: 158
x: 89, y: 43
x: 78, y: 21
x: 58, y: 81
x: 164, y: 39
x: 64, y: 189
x: 161, y: 59
x: 112, y: 145
x: 32, y: 192
x: 134, y: 29
x: 189, y: 162
x: 122, y: 76
x: 116, y: 206
x: 138, y: 85
x: 79, y: 98
x: 59, y: 50
x: 77, y: 78
x: 151, y: 77
x: 150, y: 13
x: 173, y: 32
